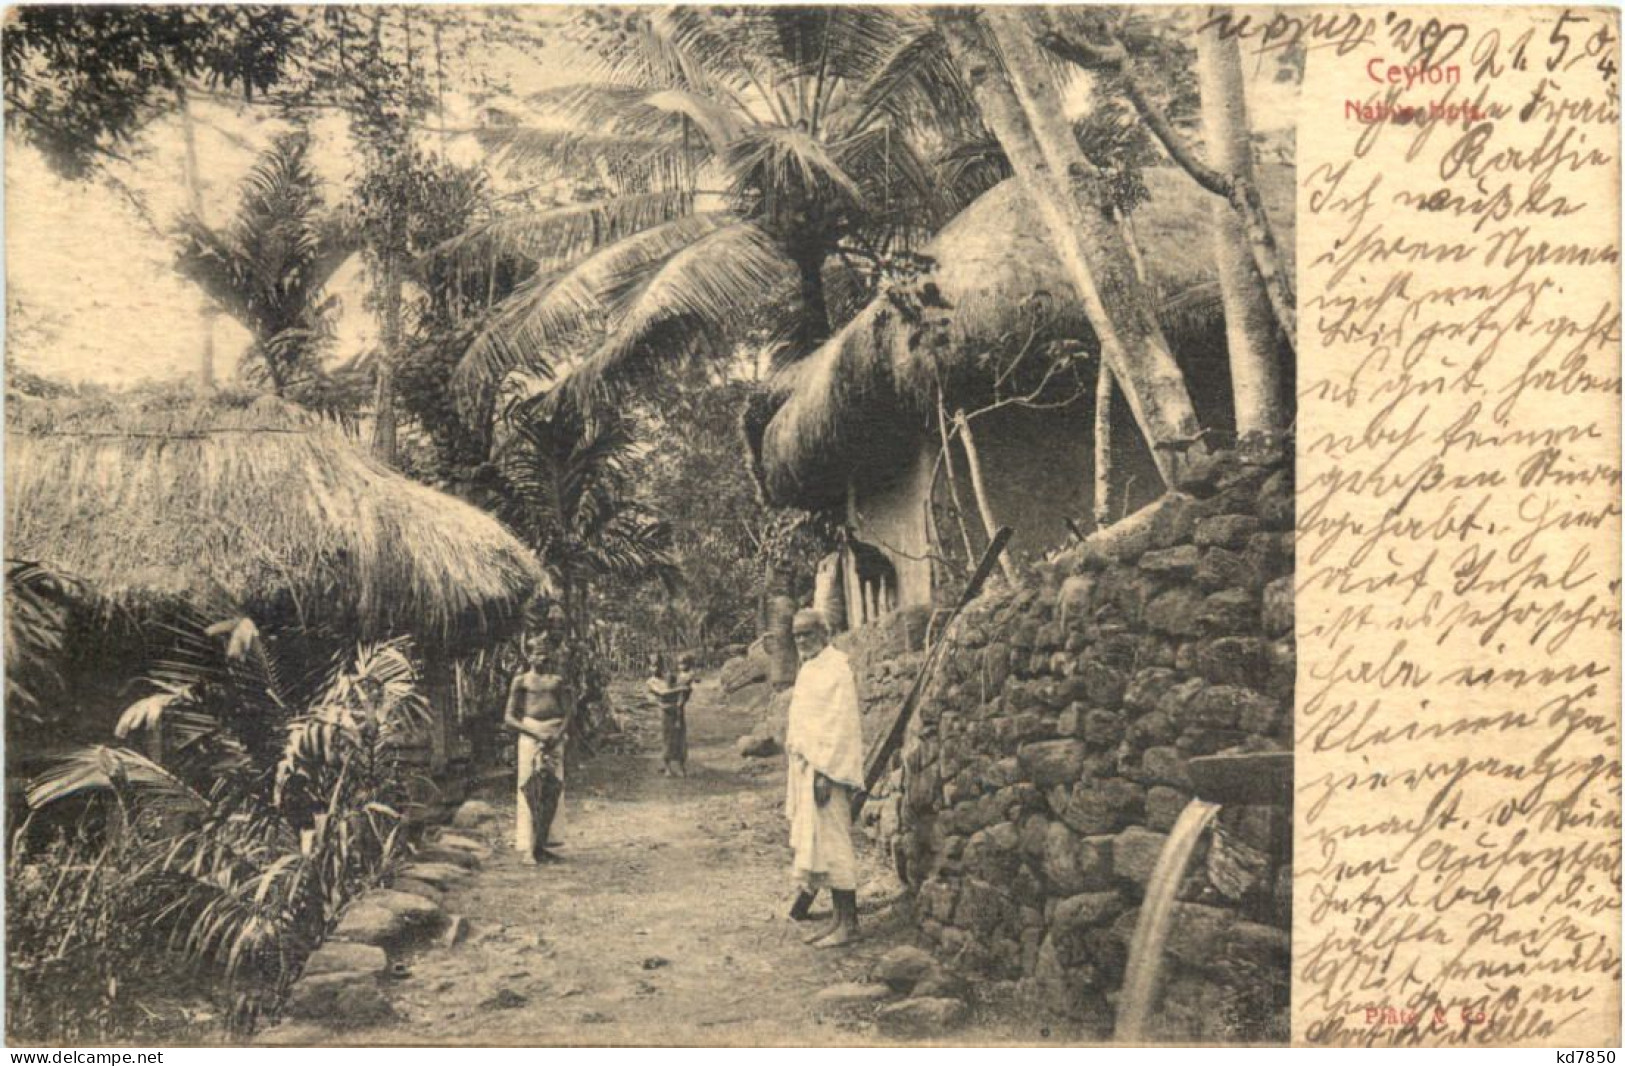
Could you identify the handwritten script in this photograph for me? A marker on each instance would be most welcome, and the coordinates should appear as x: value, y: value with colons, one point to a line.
x: 1458, y: 827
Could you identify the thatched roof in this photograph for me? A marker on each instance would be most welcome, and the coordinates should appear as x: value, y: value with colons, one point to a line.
x: 850, y: 402
x: 254, y: 503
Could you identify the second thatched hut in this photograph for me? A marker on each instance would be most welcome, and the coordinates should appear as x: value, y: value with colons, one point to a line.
x: 154, y: 510
x: 859, y: 426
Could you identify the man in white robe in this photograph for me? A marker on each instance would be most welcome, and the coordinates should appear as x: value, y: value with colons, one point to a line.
x: 824, y: 744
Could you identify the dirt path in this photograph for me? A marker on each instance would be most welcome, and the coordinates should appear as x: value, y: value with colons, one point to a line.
x: 664, y: 926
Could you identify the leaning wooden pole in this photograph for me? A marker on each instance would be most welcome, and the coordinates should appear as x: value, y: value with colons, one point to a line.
x: 194, y: 204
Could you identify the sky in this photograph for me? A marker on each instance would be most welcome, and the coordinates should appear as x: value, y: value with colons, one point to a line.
x: 94, y: 276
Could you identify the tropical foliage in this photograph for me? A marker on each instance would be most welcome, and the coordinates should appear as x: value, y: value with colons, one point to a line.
x: 36, y: 608
x: 724, y: 537
x: 269, y: 267
x: 441, y: 314
x: 81, y: 80
x: 751, y: 165
x: 269, y: 794
x: 563, y: 482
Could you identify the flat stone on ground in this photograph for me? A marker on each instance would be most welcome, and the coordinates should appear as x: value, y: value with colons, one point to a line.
x: 927, y: 1016
x: 340, y: 1000
x: 365, y: 922
x: 440, y: 874
x: 851, y: 994
x: 458, y: 842
x: 414, y: 887
x: 465, y: 860
x: 341, y: 957
x: 414, y: 910
x: 473, y: 814
x: 757, y: 747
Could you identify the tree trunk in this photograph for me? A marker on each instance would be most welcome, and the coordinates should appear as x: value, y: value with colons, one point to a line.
x: 1249, y: 322
x: 1240, y: 191
x: 973, y: 463
x: 383, y: 426
x: 953, y: 482
x: 813, y: 327
x: 194, y: 204
x: 1022, y: 105
x: 1103, y: 445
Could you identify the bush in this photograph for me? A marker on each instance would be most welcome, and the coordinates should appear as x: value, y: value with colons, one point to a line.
x: 228, y: 856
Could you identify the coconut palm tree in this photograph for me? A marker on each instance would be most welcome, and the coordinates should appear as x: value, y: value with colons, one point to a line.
x: 743, y: 158
x: 269, y: 266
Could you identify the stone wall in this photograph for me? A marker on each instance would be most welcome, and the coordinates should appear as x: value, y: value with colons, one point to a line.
x: 1046, y: 767
x: 885, y: 656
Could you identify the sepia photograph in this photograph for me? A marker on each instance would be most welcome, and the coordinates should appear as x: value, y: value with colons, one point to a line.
x: 674, y: 526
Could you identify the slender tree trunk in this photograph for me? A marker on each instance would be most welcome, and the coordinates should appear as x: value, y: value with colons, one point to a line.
x: 1103, y: 445
x: 953, y: 482
x: 973, y: 462
x: 194, y: 204
x: 383, y: 427
x: 1249, y: 322
x: 781, y: 645
x: 1021, y: 103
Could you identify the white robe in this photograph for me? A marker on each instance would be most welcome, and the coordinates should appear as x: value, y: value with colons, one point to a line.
x: 824, y: 735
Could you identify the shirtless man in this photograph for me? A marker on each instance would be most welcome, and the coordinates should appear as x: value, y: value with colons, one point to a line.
x: 538, y: 711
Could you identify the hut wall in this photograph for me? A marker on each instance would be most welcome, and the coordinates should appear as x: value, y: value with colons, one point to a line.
x: 1038, y: 466
x: 890, y: 514
x: 1049, y: 761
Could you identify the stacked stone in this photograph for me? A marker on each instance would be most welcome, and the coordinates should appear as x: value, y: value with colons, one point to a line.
x: 885, y: 655
x: 1053, y: 758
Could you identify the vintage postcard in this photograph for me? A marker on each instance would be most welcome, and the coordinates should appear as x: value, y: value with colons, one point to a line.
x: 824, y: 525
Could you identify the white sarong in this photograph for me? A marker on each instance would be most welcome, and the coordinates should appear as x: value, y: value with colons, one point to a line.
x: 824, y: 735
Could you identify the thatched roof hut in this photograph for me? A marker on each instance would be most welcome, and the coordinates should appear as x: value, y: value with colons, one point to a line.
x: 860, y: 398
x: 179, y: 501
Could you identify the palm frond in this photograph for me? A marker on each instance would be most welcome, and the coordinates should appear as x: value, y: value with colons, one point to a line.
x: 134, y: 777
x: 653, y: 56
x: 969, y: 169
x: 720, y: 124
x: 36, y: 618
x: 659, y: 160
x: 605, y: 109
x: 777, y: 161
x: 917, y: 85
x: 719, y: 283
x: 549, y: 312
x: 557, y: 237
x: 846, y: 43
x: 893, y: 176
